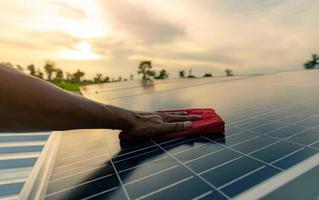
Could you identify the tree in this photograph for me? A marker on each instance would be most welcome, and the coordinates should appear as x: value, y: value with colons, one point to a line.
x: 77, y: 76
x: 182, y: 74
x: 131, y: 77
x: 98, y: 78
x: 162, y: 74
x: 49, y: 68
x: 145, y: 68
x: 39, y: 73
x: 208, y: 75
x: 68, y: 76
x: 19, y: 67
x: 106, y: 79
x: 312, y: 63
x: 190, y: 75
x: 120, y: 79
x: 229, y: 72
x: 31, y: 69
x: 59, y: 74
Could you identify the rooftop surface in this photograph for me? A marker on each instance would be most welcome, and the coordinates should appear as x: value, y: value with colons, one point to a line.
x: 268, y: 150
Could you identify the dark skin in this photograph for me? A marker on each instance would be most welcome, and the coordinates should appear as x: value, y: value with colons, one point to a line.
x: 31, y: 104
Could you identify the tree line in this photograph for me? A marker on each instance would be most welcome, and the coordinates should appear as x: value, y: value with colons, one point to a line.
x: 145, y: 69
x: 51, y: 72
x: 313, y: 63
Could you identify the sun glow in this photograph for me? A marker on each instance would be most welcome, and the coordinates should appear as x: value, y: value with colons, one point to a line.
x: 81, y: 51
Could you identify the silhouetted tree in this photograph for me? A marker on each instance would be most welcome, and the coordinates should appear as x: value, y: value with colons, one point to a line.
x: 120, y: 79
x: 68, y: 76
x: 19, y: 67
x: 182, y: 74
x: 77, y: 76
x: 312, y: 64
x: 162, y: 74
x: 190, y: 75
x: 59, y: 74
x: 145, y: 68
x: 131, y: 77
x: 39, y: 73
x: 106, y: 79
x: 208, y: 75
x: 49, y: 68
x: 31, y: 69
x: 229, y: 72
x: 98, y: 78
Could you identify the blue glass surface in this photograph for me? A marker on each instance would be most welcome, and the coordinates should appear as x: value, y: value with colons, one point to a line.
x: 250, y: 181
x: 21, y: 149
x: 267, y: 129
x: 11, y: 188
x: 17, y: 163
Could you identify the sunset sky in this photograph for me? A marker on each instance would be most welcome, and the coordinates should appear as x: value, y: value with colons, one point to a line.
x: 113, y: 36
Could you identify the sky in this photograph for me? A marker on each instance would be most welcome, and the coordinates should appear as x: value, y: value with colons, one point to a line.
x: 113, y: 36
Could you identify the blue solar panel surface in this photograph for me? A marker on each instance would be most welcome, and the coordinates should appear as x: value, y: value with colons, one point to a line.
x: 18, y: 155
x: 272, y: 124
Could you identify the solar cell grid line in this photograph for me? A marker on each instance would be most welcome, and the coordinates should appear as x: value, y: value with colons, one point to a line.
x: 183, y: 151
x: 298, y: 133
x: 297, y: 121
x: 284, y: 139
x: 272, y: 111
x: 243, y: 176
x: 74, y: 174
x: 144, y: 148
x: 138, y: 155
x: 220, y: 165
x: 202, y: 195
x: 172, y: 84
x: 164, y: 188
x: 287, y: 155
x: 247, y: 155
x: 100, y: 193
x: 133, y: 83
x: 117, y: 174
x: 72, y: 187
x: 284, y: 156
x: 306, y: 129
x: 145, y: 163
x: 205, y: 155
x: 129, y: 87
x: 156, y: 173
x: 192, y: 171
x: 159, y: 91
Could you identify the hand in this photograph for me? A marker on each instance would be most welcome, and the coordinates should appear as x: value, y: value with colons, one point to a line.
x: 149, y: 124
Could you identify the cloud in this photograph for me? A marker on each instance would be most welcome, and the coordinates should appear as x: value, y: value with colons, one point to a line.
x: 140, y: 24
x: 67, y: 10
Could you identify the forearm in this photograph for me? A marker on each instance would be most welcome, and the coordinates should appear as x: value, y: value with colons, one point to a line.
x: 31, y: 104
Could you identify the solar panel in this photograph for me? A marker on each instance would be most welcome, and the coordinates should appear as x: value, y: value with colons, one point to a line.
x: 18, y: 155
x: 272, y: 126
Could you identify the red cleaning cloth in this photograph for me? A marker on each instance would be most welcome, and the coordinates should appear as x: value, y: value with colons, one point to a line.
x: 210, y: 123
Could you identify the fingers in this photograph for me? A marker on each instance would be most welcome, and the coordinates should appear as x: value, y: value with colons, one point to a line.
x: 177, y: 113
x: 176, y: 126
x: 181, y: 118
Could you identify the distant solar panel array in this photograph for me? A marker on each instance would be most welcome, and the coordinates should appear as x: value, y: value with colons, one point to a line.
x: 272, y: 128
x: 18, y: 155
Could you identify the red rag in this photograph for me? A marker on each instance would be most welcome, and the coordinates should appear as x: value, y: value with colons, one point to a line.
x: 210, y: 123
